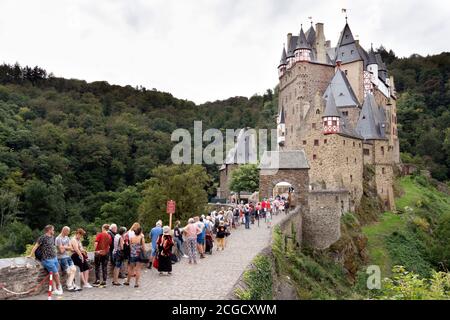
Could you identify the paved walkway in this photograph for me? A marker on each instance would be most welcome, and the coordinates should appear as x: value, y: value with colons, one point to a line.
x: 212, y: 278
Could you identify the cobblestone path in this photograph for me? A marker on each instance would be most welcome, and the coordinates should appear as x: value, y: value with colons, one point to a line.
x: 212, y: 278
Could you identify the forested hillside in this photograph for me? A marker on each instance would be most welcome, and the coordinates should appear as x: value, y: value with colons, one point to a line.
x: 423, y: 110
x: 72, y: 151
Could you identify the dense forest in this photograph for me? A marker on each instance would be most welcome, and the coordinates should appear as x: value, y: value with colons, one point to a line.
x: 71, y: 151
x: 80, y: 153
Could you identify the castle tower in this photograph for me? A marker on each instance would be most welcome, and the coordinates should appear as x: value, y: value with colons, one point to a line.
x: 372, y: 67
x: 283, y: 63
x: 303, y: 49
x: 281, y: 128
x: 331, y: 118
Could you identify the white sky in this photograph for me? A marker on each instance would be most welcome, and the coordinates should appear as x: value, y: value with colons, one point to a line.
x: 201, y: 50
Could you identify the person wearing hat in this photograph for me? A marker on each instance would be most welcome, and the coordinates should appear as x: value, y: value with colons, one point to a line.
x: 165, y: 244
x: 220, y: 235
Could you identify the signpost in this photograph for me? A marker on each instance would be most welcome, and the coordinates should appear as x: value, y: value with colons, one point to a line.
x: 170, y: 210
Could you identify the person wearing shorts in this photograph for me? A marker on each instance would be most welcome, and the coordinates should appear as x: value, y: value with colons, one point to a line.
x: 63, y: 248
x: 46, y: 245
x: 80, y: 257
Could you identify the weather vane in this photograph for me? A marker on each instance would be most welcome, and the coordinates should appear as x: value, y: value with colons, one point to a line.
x: 345, y: 11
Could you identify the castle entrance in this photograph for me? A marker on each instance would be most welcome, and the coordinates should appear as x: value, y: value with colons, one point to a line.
x: 284, y: 190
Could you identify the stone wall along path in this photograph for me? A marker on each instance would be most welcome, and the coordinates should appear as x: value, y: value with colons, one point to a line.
x: 212, y: 278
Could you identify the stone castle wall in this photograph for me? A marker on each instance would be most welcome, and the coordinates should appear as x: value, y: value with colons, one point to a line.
x: 225, y: 179
x: 355, y: 75
x: 322, y: 222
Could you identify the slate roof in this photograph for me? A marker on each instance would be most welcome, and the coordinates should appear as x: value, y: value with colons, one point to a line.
x: 371, y: 120
x: 372, y: 59
x: 342, y: 91
x: 283, y: 57
x: 291, y: 46
x: 347, y: 49
x: 330, y: 107
x: 311, y: 36
x: 292, y: 159
x: 302, y: 43
x: 240, y: 152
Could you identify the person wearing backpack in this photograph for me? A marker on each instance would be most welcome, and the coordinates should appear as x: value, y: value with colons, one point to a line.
x: 45, y: 251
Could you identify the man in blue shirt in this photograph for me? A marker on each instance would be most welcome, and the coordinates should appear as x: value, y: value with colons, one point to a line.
x: 154, y: 234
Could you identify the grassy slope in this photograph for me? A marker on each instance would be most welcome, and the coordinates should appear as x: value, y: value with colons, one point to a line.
x: 379, y: 233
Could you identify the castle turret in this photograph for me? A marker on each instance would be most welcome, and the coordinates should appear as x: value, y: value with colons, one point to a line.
x: 303, y: 49
x: 331, y: 117
x: 372, y: 67
x: 283, y: 63
x: 281, y: 128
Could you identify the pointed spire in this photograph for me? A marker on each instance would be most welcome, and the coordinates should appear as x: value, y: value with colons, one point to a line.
x: 311, y: 36
x: 283, y: 57
x: 282, y: 116
x: 372, y: 58
x: 367, y: 124
x: 330, y: 108
x: 302, y: 43
x: 346, y: 36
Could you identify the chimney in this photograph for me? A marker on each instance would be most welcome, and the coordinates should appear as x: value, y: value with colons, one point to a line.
x: 288, y: 45
x: 320, y: 43
x: 357, y: 42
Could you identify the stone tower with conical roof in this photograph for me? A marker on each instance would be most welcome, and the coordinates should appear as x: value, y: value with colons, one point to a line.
x: 338, y: 105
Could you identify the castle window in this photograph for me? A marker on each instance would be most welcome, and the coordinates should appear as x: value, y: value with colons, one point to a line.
x: 347, y: 160
x: 313, y: 125
x: 316, y: 142
x: 325, y: 141
x: 355, y: 160
x: 382, y: 151
x: 351, y: 178
x: 366, y: 152
x: 346, y: 72
x: 344, y: 142
x: 382, y: 170
x: 317, y: 111
x: 354, y: 145
x: 336, y: 199
x: 359, y: 144
x: 314, y: 157
x: 334, y: 122
x: 304, y: 142
x: 353, y: 51
x: 345, y: 113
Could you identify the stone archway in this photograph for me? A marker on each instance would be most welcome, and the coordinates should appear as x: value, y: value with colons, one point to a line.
x: 297, y: 178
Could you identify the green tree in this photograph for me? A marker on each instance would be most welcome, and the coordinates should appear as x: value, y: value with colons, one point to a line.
x: 123, y: 210
x: 186, y: 184
x: 245, y: 178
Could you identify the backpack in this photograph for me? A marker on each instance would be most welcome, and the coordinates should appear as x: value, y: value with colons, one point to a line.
x: 38, y: 253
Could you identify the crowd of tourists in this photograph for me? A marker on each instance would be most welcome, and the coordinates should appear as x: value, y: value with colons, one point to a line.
x: 125, y: 251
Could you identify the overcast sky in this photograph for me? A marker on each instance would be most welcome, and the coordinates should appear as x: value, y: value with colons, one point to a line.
x: 201, y: 50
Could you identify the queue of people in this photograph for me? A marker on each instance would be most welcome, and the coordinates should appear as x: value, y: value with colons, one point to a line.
x: 126, y: 251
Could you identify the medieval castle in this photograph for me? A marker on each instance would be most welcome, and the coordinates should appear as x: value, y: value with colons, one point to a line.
x: 337, y: 113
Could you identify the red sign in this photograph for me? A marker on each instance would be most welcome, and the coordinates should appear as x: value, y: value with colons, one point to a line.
x: 170, y: 206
